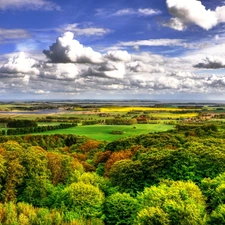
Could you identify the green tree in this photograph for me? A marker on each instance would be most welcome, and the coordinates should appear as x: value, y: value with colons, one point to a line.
x: 34, y: 187
x: 84, y: 199
x: 121, y: 209
x: 214, y: 190
x: 182, y: 201
x: 218, y: 216
x: 153, y: 216
x: 127, y: 175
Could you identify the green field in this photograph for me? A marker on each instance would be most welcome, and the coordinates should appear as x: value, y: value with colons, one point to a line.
x: 103, y: 132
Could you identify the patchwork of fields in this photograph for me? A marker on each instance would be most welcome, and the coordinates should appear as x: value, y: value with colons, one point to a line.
x: 158, y: 119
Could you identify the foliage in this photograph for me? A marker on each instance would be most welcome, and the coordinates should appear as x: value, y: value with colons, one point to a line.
x: 121, y: 209
x: 120, y: 121
x: 21, y: 123
x: 153, y: 216
x: 38, y: 129
x: 170, y: 178
x: 214, y: 190
x: 85, y: 200
x: 179, y: 203
x: 218, y: 215
x: 125, y: 174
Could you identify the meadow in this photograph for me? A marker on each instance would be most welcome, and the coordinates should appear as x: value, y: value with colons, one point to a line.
x: 160, y: 116
x: 103, y: 132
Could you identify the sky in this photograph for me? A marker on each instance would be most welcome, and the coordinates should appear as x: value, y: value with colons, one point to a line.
x: 118, y: 49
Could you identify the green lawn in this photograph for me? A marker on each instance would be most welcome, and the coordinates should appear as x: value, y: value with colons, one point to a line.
x: 102, y: 132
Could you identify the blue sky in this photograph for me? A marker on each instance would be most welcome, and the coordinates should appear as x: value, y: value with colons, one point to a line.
x: 135, y: 49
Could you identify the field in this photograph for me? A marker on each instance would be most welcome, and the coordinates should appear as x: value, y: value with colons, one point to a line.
x: 62, y: 113
x: 135, y: 108
x: 103, y: 132
x: 174, y: 115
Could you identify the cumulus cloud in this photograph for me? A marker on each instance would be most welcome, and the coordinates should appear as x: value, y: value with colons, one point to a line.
x: 28, y: 4
x: 164, y: 82
x: 176, y: 24
x: 84, y: 31
x: 10, y: 34
x: 139, y: 67
x: 211, y: 62
x: 108, y: 70
x: 74, y: 69
x: 193, y: 12
x: 118, y: 56
x: 182, y: 74
x: 68, y: 50
x: 59, y: 71
x: 214, y: 81
x: 20, y: 64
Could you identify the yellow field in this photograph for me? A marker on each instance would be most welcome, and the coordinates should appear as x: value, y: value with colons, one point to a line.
x: 174, y: 115
x: 136, y: 108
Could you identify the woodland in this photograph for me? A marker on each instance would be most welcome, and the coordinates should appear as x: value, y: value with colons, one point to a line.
x: 161, y: 178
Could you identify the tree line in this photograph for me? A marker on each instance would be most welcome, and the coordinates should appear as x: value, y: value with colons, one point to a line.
x: 39, y: 129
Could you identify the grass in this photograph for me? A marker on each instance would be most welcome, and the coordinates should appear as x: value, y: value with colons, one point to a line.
x: 103, y: 132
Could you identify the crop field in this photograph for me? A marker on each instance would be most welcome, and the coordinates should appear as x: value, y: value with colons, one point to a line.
x: 135, y: 108
x: 174, y: 115
x: 103, y: 132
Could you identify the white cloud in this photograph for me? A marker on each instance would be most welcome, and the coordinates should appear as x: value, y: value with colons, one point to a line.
x: 20, y: 64
x: 138, y: 12
x: 42, y: 92
x: 73, y: 69
x: 27, y: 46
x: 148, y: 11
x: 10, y: 34
x: 140, y: 67
x: 108, y: 70
x: 28, y: 4
x: 176, y: 24
x: 211, y: 62
x: 122, y: 12
x: 215, y: 82
x: 153, y: 42
x: 193, y: 12
x: 59, y: 71
x: 164, y: 82
x: 84, y: 31
x: 182, y: 74
x: 68, y: 50
x: 118, y: 56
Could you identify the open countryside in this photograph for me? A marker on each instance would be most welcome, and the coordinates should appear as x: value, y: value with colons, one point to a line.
x: 127, y: 165
x: 104, y: 132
